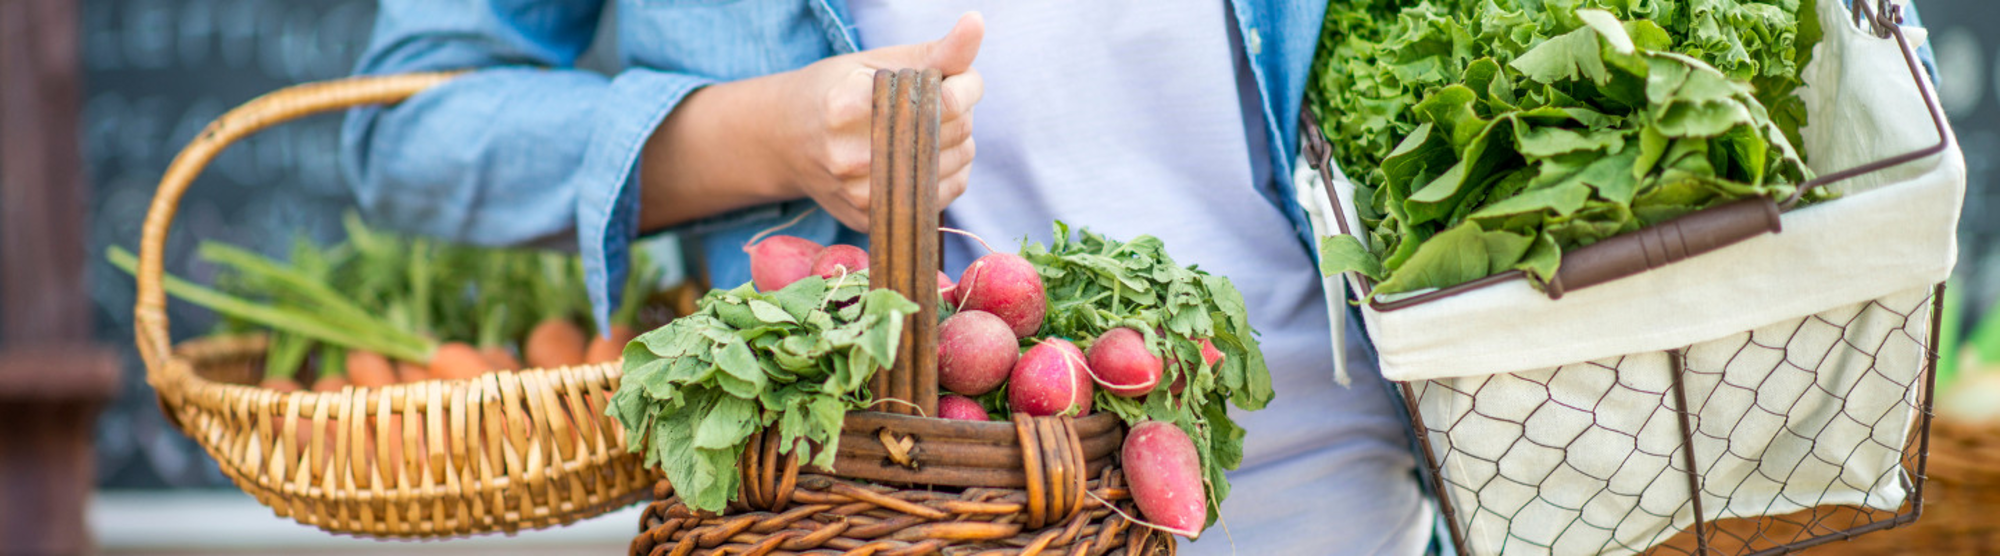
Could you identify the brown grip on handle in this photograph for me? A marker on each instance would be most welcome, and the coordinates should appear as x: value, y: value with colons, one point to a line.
x: 283, y: 105
x: 1665, y: 243
x: 903, y: 217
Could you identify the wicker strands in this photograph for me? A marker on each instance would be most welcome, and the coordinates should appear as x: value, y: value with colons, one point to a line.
x: 783, y: 512
x: 838, y: 516
x: 502, y: 452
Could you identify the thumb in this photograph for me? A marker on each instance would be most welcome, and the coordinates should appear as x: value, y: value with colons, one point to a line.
x: 951, y: 55
x: 954, y: 53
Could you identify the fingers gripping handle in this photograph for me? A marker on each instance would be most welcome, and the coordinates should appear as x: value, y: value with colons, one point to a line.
x: 903, y: 215
x: 1665, y: 243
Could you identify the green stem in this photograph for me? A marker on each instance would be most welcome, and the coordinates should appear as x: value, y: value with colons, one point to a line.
x: 420, y: 285
x: 286, y: 353
x: 314, y: 292
x: 307, y: 323
x: 332, y: 361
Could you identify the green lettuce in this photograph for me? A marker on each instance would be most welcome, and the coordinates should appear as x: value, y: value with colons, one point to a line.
x: 1493, y: 135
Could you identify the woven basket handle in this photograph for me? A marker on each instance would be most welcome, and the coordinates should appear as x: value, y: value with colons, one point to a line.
x: 283, y: 105
x: 903, y: 214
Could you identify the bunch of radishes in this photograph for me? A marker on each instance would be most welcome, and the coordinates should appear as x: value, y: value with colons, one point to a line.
x: 989, y: 343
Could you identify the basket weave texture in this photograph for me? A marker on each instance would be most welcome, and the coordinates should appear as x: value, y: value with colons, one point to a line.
x: 901, y: 482
x: 503, y: 452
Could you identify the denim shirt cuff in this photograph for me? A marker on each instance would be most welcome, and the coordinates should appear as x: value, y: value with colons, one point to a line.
x: 607, y: 188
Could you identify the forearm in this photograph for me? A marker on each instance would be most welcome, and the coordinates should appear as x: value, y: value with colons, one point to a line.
x: 718, y: 151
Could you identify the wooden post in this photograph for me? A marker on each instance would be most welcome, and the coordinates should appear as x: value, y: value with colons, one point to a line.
x: 53, y: 382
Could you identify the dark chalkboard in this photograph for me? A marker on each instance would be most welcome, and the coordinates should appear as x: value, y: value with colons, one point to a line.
x: 1968, y: 56
x: 155, y: 72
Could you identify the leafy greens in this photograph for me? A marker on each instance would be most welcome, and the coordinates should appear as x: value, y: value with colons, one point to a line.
x: 1096, y: 284
x: 793, y: 361
x: 1489, y: 135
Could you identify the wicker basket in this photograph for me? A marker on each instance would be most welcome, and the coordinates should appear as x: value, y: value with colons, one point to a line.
x: 906, y: 484
x: 502, y: 452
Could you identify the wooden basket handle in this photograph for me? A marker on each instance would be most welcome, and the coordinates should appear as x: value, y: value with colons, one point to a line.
x: 283, y: 105
x: 903, y: 214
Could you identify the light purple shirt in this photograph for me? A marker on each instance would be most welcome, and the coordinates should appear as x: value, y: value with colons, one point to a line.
x: 1135, y: 118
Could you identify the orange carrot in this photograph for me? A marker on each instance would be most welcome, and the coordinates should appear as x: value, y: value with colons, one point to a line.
x: 411, y: 372
x: 369, y: 369
x: 285, y: 384
x: 456, y: 360
x: 606, y: 350
x: 329, y: 383
x: 500, y: 357
x: 555, y: 342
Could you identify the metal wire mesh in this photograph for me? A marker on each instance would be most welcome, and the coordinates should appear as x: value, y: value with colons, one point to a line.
x: 1794, y: 434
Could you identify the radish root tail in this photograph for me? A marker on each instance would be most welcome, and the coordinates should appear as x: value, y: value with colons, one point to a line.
x: 975, y: 237
x: 1080, y: 362
x: 775, y: 229
x: 1147, y: 524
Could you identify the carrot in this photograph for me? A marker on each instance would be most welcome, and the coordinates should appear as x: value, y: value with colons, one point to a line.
x: 500, y: 357
x: 411, y: 372
x: 369, y: 369
x: 329, y: 384
x: 555, y: 342
x: 281, y: 384
x: 456, y: 360
x: 605, y: 349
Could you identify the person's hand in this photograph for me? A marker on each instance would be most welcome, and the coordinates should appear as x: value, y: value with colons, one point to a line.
x: 828, y: 127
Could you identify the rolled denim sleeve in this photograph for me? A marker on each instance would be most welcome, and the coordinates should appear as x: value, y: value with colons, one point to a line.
x: 524, y: 150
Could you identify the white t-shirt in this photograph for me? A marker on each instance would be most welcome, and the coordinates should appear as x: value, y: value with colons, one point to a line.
x: 1140, y: 118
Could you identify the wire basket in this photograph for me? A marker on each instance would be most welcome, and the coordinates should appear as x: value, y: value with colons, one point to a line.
x: 506, y: 451
x: 1599, y: 457
x: 1771, y: 440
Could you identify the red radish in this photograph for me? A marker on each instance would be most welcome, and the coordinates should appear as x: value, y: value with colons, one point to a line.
x: 976, y: 351
x: 1120, y: 362
x: 607, y: 349
x: 500, y: 357
x: 456, y: 360
x: 781, y: 260
x: 368, y: 369
x: 1007, y: 286
x: 554, y: 342
x: 947, y: 289
x: 960, y: 407
x: 837, y: 260
x: 1166, y: 478
x: 1050, y: 379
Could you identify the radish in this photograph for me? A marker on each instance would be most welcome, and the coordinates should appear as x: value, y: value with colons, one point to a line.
x: 1050, y: 379
x: 947, y: 289
x: 976, y: 351
x: 960, y: 407
x: 837, y: 260
x: 1209, y: 355
x: 1120, y: 362
x: 1166, y: 478
x: 781, y: 260
x: 1007, y: 286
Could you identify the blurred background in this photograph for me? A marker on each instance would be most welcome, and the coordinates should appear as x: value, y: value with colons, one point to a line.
x: 96, y: 97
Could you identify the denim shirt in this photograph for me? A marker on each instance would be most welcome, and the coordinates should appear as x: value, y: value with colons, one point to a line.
x: 531, y: 150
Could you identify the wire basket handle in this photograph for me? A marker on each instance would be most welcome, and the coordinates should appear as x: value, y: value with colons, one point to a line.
x: 903, y: 214
x: 283, y: 105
